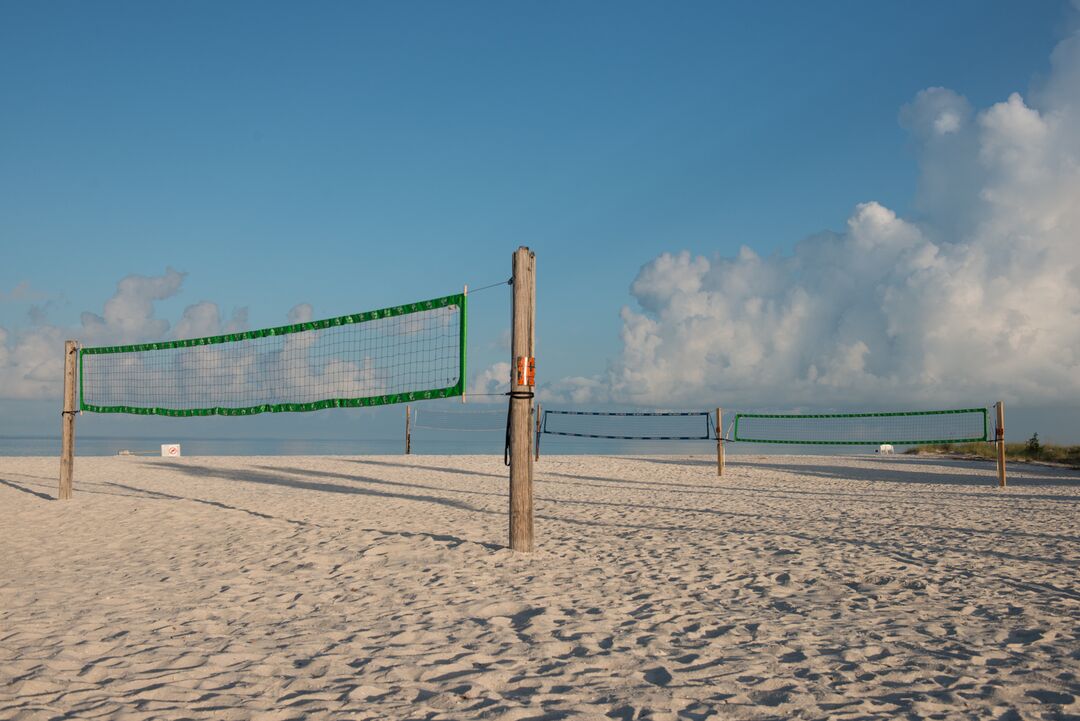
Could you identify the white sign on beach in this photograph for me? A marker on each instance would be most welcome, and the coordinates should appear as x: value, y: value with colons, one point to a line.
x: 170, y: 450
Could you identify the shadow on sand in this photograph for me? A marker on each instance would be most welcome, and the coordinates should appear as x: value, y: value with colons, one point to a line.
x: 559, y: 509
x: 274, y: 478
x: 24, y: 489
x: 455, y: 471
x: 904, y: 470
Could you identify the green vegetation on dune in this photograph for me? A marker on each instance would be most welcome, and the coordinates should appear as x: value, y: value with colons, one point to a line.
x: 1031, y: 450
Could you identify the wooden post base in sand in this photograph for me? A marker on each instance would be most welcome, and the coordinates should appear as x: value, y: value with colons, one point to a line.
x: 719, y: 442
x: 67, y: 425
x: 999, y: 437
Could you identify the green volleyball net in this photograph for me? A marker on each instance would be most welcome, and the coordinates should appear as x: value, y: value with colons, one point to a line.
x: 393, y: 355
x: 965, y: 425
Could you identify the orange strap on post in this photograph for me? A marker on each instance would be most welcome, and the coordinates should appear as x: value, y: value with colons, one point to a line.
x: 526, y: 371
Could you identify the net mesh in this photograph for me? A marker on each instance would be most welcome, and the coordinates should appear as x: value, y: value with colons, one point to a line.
x: 392, y: 355
x: 695, y: 425
x: 965, y: 425
x: 445, y: 419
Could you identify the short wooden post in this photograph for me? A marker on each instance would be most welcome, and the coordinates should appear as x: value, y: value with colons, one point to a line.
x: 521, y: 458
x: 67, y: 425
x: 999, y: 436
x: 536, y: 440
x: 465, y: 294
x: 719, y: 443
x: 408, y: 430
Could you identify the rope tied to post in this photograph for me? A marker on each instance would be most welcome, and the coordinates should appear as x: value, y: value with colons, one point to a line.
x: 493, y: 285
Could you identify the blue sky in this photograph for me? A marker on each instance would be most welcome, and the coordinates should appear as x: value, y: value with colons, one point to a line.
x: 356, y: 155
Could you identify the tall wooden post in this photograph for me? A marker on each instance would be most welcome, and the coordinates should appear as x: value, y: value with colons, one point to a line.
x: 67, y: 425
x: 521, y: 346
x: 408, y: 431
x: 999, y: 436
x: 719, y: 443
x: 465, y: 293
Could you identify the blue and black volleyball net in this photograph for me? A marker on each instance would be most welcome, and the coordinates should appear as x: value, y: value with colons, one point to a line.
x: 643, y: 426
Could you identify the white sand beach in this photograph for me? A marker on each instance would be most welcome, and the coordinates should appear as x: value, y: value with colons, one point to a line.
x: 379, y: 588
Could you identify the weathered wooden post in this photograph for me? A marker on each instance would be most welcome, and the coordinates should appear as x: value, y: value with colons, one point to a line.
x: 67, y: 425
x: 408, y: 431
x: 465, y: 294
x: 999, y: 437
x: 719, y: 443
x: 523, y: 367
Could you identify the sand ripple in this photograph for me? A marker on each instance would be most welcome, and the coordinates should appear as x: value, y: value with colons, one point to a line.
x: 377, y: 588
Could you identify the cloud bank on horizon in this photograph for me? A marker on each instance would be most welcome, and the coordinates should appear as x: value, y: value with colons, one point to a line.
x: 976, y: 300
x: 31, y: 362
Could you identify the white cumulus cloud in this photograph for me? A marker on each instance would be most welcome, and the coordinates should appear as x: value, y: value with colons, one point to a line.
x: 128, y: 316
x: 977, y: 298
x: 32, y: 361
x: 488, y: 385
x: 204, y: 318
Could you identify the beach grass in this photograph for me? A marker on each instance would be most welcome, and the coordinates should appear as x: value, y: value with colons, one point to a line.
x: 1039, y: 452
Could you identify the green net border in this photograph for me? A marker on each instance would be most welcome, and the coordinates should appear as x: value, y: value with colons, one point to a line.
x: 458, y: 389
x: 985, y: 436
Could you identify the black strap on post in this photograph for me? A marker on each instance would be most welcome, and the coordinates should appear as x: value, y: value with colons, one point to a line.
x: 525, y: 395
x: 539, y: 431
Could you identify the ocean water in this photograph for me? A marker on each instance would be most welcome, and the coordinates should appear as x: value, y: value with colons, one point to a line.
x: 111, y: 446
x: 467, y: 444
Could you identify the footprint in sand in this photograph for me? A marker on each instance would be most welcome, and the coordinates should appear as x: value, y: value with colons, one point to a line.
x: 658, y: 676
x: 1051, y: 697
x: 1023, y: 636
x: 773, y: 697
